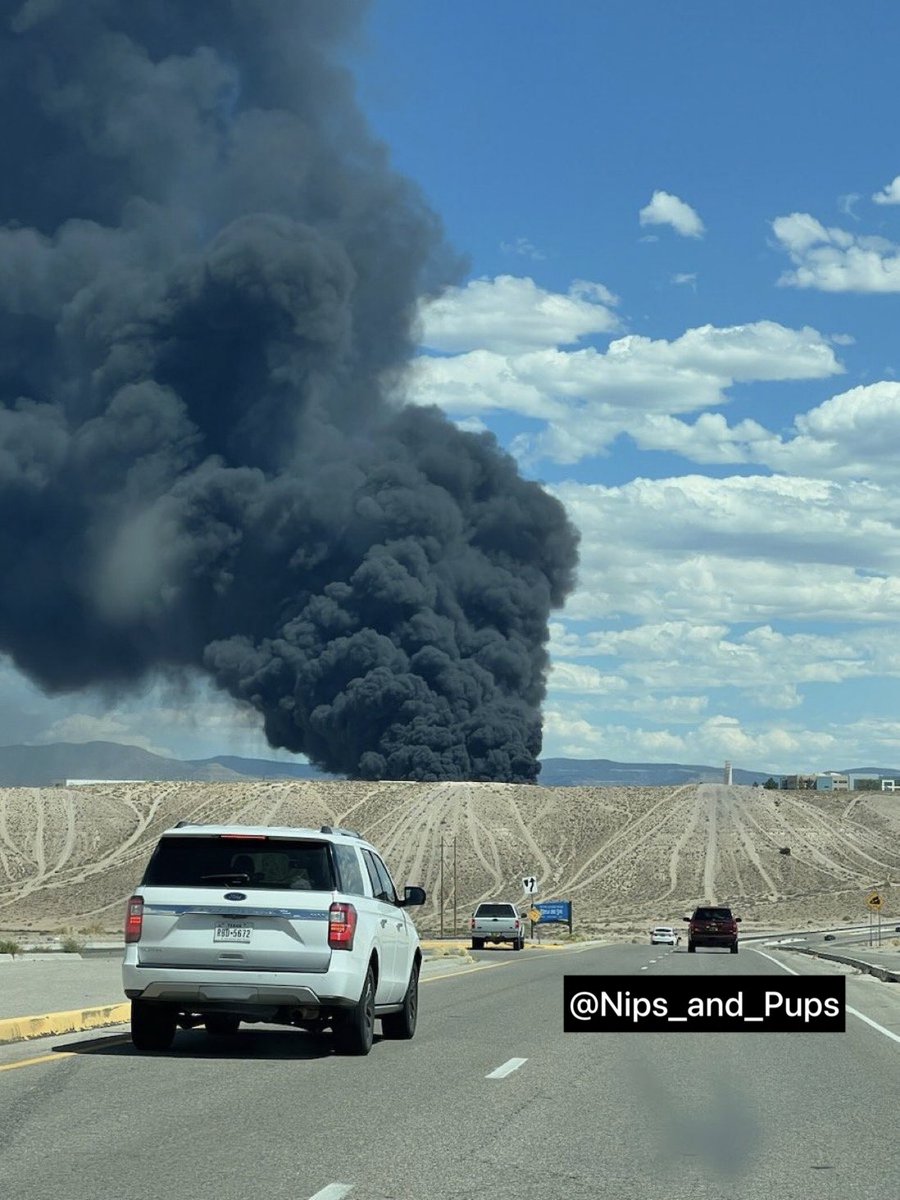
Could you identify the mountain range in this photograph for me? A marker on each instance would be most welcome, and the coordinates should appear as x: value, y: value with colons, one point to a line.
x: 53, y: 764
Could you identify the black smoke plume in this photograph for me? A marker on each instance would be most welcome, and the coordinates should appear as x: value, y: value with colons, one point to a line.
x: 209, y: 277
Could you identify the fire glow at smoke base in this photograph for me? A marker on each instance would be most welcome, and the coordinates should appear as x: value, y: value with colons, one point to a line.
x: 208, y: 281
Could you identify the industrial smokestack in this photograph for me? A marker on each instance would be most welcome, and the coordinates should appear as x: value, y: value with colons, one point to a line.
x: 208, y: 276
x: 728, y: 773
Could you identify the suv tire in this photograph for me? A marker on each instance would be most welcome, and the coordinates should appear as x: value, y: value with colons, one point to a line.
x: 356, y: 1027
x: 477, y: 943
x: 734, y: 947
x: 402, y: 1024
x: 692, y: 949
x: 152, y: 1026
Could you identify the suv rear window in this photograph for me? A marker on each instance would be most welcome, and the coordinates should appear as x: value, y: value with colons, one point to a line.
x: 495, y: 910
x: 712, y: 914
x: 273, y: 864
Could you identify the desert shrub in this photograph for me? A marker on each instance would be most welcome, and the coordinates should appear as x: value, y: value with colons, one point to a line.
x: 8, y: 946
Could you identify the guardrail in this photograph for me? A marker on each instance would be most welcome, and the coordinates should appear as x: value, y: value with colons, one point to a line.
x: 882, y: 973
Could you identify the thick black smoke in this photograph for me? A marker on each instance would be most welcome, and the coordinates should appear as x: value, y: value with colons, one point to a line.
x: 208, y: 280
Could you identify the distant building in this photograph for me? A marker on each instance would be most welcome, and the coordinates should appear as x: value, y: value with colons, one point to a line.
x: 794, y: 783
x: 865, y: 782
x: 89, y: 782
x: 831, y: 781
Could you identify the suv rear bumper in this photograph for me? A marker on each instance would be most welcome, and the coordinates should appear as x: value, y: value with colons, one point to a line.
x: 713, y: 939
x: 244, y: 989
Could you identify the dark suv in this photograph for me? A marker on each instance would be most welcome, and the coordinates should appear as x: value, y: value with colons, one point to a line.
x: 712, y: 927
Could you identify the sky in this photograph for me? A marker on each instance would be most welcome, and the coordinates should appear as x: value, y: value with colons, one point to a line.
x: 681, y: 231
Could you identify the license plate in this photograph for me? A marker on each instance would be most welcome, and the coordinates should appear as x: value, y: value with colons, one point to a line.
x: 233, y: 932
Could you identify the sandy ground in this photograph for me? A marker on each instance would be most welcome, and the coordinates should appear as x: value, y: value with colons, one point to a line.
x: 626, y: 857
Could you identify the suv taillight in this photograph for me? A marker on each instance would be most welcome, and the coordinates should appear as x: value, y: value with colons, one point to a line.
x: 471, y: 922
x: 341, y: 926
x: 134, y: 919
x: 517, y: 924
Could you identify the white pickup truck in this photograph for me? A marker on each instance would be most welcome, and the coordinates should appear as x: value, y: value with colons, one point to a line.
x: 495, y: 922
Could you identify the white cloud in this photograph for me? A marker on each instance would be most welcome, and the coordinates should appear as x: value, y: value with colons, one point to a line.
x: 889, y: 194
x: 847, y: 204
x: 588, y: 397
x: 576, y: 677
x: 833, y: 260
x: 767, y: 747
x: 511, y: 314
x: 741, y: 549
x: 686, y: 280
x: 80, y: 727
x: 782, y: 697
x: 666, y: 209
x: 523, y: 247
x: 852, y: 435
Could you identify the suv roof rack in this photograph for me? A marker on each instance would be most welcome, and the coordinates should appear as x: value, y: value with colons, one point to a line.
x: 337, y: 829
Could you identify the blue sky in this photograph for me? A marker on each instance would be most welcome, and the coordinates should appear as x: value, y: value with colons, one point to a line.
x: 682, y: 228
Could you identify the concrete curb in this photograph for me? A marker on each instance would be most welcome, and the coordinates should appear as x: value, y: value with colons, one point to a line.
x: 882, y: 973
x: 76, y: 1020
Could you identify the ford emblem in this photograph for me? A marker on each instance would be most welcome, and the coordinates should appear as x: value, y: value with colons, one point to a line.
x: 235, y: 896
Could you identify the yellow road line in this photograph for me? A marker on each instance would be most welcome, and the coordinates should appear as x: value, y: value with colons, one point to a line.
x: 31, y: 1062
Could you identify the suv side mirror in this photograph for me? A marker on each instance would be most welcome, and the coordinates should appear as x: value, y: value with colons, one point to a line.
x: 412, y: 896
x: 737, y: 920
x: 523, y: 915
x: 685, y: 918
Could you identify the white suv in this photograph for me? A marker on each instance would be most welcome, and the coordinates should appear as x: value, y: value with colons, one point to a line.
x: 300, y: 927
x: 664, y: 935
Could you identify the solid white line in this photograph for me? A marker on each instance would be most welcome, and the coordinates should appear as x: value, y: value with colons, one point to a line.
x: 853, y: 1011
x: 868, y: 1020
x: 502, y: 1072
x: 790, y: 970
x: 333, y: 1191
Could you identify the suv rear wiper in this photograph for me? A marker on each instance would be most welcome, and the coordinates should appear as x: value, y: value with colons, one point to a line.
x: 227, y: 876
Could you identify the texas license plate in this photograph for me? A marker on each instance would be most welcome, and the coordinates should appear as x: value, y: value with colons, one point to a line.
x: 233, y: 932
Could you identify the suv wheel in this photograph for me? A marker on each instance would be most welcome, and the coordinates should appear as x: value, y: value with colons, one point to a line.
x: 356, y: 1029
x: 477, y: 943
x: 152, y: 1026
x: 692, y: 949
x: 402, y: 1024
x: 734, y: 947
x: 222, y: 1025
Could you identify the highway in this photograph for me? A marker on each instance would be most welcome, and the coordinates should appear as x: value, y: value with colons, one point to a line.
x: 490, y: 1100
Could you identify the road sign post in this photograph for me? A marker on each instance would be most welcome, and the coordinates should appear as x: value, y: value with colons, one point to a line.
x: 875, y: 903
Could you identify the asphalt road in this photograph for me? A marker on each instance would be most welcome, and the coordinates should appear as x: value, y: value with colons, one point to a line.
x: 637, y: 1116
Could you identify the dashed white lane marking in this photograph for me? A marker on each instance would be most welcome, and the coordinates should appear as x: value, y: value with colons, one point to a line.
x: 853, y: 1011
x: 333, y: 1191
x: 506, y: 1069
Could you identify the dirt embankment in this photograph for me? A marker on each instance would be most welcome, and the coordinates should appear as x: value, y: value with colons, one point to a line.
x: 69, y: 858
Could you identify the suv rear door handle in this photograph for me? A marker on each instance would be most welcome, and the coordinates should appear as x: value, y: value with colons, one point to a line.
x: 383, y: 922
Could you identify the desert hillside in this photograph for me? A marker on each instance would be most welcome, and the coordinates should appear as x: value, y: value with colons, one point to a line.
x: 624, y: 856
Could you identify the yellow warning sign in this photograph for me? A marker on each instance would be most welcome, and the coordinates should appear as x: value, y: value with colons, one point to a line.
x: 535, y: 914
x: 875, y: 902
